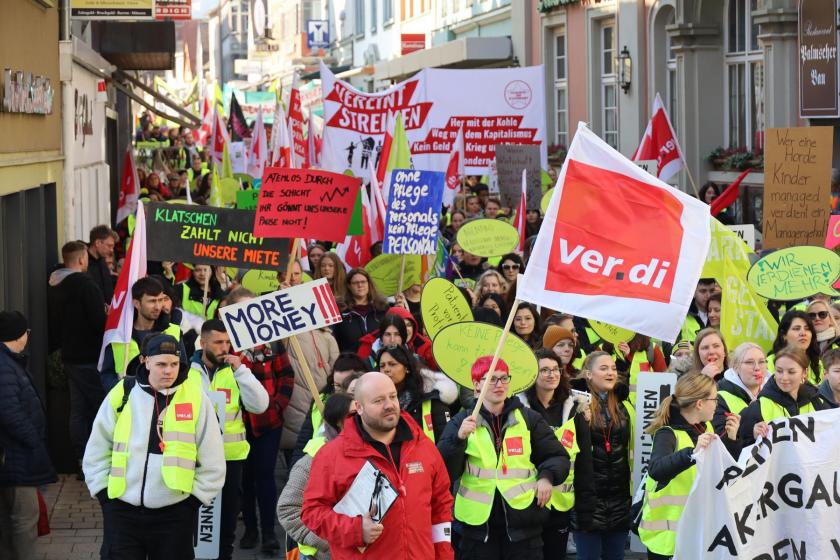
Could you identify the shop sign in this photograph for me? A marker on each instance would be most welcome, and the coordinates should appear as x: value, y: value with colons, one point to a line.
x: 410, y: 42
x: 112, y: 9
x: 24, y: 92
x: 818, y: 59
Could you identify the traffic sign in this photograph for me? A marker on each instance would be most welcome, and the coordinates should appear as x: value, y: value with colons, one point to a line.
x: 317, y: 34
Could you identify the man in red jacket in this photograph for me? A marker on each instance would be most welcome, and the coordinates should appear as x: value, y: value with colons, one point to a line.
x: 417, y: 526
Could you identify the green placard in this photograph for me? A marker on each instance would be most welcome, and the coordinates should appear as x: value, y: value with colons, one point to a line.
x: 247, y: 200
x: 611, y: 333
x: 385, y: 271
x: 488, y: 238
x: 442, y: 304
x: 457, y: 346
x: 795, y: 273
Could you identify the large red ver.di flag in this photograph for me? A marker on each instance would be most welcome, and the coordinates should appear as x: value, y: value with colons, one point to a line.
x: 617, y: 244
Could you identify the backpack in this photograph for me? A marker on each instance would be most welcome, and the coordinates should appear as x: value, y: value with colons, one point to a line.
x: 128, y: 384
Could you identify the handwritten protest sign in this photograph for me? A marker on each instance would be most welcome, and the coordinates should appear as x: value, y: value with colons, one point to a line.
x: 305, y: 203
x: 511, y: 159
x: 207, y: 235
x: 385, y: 272
x: 611, y: 333
x: 247, y: 200
x: 280, y: 314
x: 488, y: 238
x: 797, y: 186
x: 457, y: 346
x: 261, y: 281
x: 795, y: 273
x: 442, y: 304
x: 413, y: 218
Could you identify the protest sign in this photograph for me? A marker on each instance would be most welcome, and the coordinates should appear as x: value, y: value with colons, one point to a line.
x: 261, y: 281
x: 442, y: 304
x: 634, y: 264
x: 795, y: 273
x: 385, y: 272
x: 488, y: 238
x: 832, y: 234
x: 745, y: 232
x: 649, y: 165
x: 413, y: 216
x: 457, y: 346
x: 238, y: 157
x: 779, y: 500
x: 208, y: 235
x: 307, y: 203
x: 208, y: 529
x: 511, y: 159
x: 247, y: 200
x: 280, y: 314
x: 797, y: 185
x: 651, y: 390
x: 611, y: 333
x: 744, y: 316
x: 510, y: 110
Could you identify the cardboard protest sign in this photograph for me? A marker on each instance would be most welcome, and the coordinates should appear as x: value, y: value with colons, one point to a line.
x: 488, y: 238
x: 797, y: 185
x: 261, y: 281
x: 511, y: 159
x: 208, y: 235
x: 413, y: 216
x: 280, y: 314
x: 247, y: 200
x: 457, y: 346
x: 611, y: 333
x: 777, y: 501
x: 307, y: 203
x: 442, y: 304
x: 795, y: 273
x: 385, y: 272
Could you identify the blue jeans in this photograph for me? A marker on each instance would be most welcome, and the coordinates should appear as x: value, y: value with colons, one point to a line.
x: 601, y: 545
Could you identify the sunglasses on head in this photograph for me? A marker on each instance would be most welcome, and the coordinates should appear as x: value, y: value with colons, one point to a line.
x: 818, y: 315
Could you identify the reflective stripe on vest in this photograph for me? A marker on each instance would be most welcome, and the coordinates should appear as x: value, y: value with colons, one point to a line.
x: 734, y: 403
x: 510, y: 472
x: 662, y: 508
x: 563, y: 495
x: 196, y: 307
x: 236, y: 445
x: 315, y: 414
x: 118, y: 349
x: 179, y: 453
x: 426, y: 420
x: 770, y: 410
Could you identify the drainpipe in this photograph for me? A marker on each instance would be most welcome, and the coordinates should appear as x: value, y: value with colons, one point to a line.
x: 68, y: 192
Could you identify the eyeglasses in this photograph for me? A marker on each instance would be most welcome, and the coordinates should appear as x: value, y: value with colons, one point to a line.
x: 510, y: 267
x: 359, y: 283
x: 715, y: 400
x: 549, y: 370
x: 753, y: 364
x: 818, y: 315
x: 504, y: 380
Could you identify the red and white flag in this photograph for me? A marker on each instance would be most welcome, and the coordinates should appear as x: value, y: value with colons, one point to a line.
x: 218, y: 138
x: 659, y: 143
x: 203, y: 133
x: 521, y: 211
x: 129, y: 187
x: 120, y: 321
x: 377, y: 209
x: 313, y: 152
x: 281, y: 146
x: 387, y: 142
x: 258, y: 154
x: 299, y: 145
x: 617, y: 245
x: 455, y: 170
x: 355, y: 249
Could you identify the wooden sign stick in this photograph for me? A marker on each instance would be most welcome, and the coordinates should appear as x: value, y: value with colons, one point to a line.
x: 496, y: 356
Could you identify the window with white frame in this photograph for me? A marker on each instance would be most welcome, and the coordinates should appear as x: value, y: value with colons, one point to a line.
x: 671, y: 72
x: 359, y: 21
x: 561, y: 101
x: 373, y: 16
x: 609, y: 85
x: 387, y: 12
x: 744, y: 77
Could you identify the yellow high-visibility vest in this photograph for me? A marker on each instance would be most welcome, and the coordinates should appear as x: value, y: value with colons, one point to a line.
x: 236, y: 444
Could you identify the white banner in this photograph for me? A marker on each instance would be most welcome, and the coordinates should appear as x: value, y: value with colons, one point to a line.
x: 280, y: 314
x: 509, y: 110
x: 780, y: 500
x: 208, y: 528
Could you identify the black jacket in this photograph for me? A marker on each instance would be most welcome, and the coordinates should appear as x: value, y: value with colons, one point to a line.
x: 76, y: 316
x: 602, y: 498
x: 354, y: 326
x: 23, y: 426
x: 665, y: 463
x: 101, y: 275
x: 547, y: 455
x: 752, y: 414
x: 719, y: 419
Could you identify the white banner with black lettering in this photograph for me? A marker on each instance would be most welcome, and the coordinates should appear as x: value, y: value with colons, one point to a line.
x: 780, y: 500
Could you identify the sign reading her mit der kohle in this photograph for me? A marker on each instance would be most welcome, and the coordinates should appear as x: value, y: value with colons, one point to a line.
x: 280, y: 314
x: 207, y: 235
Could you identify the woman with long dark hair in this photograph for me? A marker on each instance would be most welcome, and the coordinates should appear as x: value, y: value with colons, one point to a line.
x: 362, y: 309
x: 526, y: 324
x: 796, y: 329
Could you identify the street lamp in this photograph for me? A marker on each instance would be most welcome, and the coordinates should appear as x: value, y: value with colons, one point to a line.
x: 625, y: 69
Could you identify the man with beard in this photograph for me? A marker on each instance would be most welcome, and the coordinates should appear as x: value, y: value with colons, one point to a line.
x: 122, y: 359
x: 396, y: 447
x: 219, y: 370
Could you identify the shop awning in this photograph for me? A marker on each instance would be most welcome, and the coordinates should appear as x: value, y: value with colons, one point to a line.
x: 469, y: 52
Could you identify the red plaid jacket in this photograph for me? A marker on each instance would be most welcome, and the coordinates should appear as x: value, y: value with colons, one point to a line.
x: 272, y: 368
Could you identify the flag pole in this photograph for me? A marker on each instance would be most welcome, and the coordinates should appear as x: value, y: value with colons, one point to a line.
x: 691, y: 180
x: 402, y: 274
x: 496, y: 356
x: 292, y: 256
x: 204, y: 298
x: 307, y: 375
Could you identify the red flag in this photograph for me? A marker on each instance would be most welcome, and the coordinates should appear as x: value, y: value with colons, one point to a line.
x: 660, y: 143
x: 313, y: 152
x: 120, y: 321
x: 377, y: 208
x: 203, y: 133
x: 281, y: 147
x: 299, y: 145
x: 729, y: 195
x: 521, y: 210
x: 129, y: 188
x: 219, y: 137
x: 258, y: 154
x: 455, y: 169
x: 387, y: 140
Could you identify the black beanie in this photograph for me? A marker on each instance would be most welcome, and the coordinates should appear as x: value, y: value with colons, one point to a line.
x: 12, y: 325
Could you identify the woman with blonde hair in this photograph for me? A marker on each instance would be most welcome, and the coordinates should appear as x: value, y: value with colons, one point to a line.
x: 490, y: 282
x: 331, y: 267
x: 682, y: 427
x: 828, y: 333
x: 741, y: 383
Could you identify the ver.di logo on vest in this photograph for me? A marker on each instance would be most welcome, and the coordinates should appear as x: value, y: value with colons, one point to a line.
x: 183, y: 411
